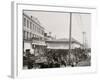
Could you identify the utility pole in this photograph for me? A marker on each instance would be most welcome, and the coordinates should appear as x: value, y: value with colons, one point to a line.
x: 84, y: 40
x: 84, y: 43
x: 70, y: 33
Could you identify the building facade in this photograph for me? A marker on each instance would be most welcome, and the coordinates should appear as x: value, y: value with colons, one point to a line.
x: 62, y: 44
x: 32, y: 28
x: 33, y: 35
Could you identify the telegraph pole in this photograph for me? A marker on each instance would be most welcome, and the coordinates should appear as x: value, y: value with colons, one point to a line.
x: 70, y: 33
x: 84, y: 40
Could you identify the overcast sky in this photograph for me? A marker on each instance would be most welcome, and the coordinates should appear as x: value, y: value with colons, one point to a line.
x: 58, y: 24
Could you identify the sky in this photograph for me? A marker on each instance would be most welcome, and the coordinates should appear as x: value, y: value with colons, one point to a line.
x: 58, y: 24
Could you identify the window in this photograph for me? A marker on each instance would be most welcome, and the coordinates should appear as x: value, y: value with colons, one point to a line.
x: 39, y: 30
x: 24, y: 21
x: 30, y: 25
x: 42, y: 32
x: 31, y: 35
x: 27, y: 23
x: 28, y: 35
x: 33, y: 27
x: 25, y: 35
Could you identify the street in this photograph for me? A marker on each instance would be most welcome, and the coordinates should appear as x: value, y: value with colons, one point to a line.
x: 84, y: 63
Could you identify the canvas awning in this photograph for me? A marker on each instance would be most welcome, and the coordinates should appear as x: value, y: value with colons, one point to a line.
x: 40, y: 44
x: 57, y: 48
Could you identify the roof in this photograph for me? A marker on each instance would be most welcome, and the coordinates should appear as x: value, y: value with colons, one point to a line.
x: 60, y: 40
x: 64, y: 40
x: 34, y: 19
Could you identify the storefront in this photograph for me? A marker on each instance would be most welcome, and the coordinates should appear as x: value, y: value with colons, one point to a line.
x: 39, y: 48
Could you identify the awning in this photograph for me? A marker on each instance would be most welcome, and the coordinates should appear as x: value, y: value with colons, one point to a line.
x: 40, y: 44
x: 58, y: 48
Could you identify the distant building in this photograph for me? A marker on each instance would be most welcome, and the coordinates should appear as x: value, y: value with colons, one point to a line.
x: 48, y: 37
x: 62, y: 44
x: 33, y: 34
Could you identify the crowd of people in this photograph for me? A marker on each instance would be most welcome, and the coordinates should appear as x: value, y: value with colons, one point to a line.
x: 54, y: 58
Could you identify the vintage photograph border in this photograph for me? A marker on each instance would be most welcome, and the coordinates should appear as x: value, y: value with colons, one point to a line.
x: 16, y: 63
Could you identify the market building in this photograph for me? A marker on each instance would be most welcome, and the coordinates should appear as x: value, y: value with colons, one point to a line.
x: 62, y: 44
x: 60, y: 48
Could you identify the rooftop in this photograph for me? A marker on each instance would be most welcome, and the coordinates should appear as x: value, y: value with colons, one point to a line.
x: 34, y: 19
x: 64, y: 40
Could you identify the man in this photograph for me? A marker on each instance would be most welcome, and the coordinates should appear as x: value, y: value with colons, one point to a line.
x: 29, y: 61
